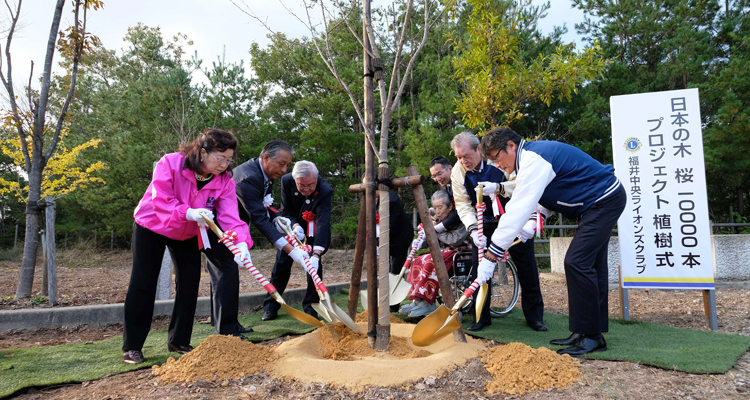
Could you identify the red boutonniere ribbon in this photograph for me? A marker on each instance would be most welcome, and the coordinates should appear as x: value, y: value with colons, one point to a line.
x: 310, y: 218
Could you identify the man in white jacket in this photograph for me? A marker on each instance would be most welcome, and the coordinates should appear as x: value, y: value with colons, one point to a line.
x: 553, y: 176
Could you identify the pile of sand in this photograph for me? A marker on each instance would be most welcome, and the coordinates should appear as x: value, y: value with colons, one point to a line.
x: 518, y: 368
x: 217, y: 358
x: 342, y: 344
x: 403, y: 363
x: 362, y: 317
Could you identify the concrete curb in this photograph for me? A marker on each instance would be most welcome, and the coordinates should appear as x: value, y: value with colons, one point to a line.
x: 107, y: 314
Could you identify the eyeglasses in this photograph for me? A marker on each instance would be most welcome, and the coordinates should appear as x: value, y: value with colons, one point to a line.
x: 223, y: 161
x: 493, y: 158
x: 437, y: 175
x: 307, y: 187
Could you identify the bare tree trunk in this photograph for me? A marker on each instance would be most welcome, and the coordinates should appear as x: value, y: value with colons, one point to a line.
x: 32, y: 227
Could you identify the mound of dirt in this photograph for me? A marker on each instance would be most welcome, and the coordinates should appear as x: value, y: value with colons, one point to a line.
x: 342, y: 344
x: 217, y: 358
x: 403, y: 363
x: 362, y: 317
x: 518, y: 369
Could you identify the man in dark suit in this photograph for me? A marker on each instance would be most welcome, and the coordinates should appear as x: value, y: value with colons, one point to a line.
x: 306, y: 201
x: 255, y: 180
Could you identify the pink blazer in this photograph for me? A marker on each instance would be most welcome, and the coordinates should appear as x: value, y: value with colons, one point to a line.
x: 173, y: 190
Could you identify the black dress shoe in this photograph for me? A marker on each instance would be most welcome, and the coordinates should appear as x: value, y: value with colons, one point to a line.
x: 269, y: 315
x: 584, y: 346
x: 179, y: 348
x: 395, y: 307
x: 241, y: 336
x: 245, y: 330
x: 571, y: 340
x: 312, y: 314
x: 537, y: 326
x: 478, y: 326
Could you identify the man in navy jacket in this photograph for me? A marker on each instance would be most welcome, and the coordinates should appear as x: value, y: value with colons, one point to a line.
x: 255, y: 179
x: 553, y: 176
x: 306, y: 201
x: 471, y: 169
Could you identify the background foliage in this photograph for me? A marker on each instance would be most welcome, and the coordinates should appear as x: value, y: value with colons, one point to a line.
x: 485, y: 64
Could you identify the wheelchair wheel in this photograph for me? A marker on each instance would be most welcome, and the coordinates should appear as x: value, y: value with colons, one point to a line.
x: 504, y: 289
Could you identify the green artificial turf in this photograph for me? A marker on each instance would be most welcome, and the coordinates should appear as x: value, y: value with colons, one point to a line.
x: 687, y: 350
x: 50, y: 365
x: 643, y: 342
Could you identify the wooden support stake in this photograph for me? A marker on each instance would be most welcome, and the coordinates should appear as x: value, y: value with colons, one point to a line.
x: 395, y: 182
x: 437, y: 256
x: 359, y: 255
x: 49, y: 212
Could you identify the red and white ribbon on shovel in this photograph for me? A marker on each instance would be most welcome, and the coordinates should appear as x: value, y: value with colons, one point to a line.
x: 228, y: 239
x: 416, y: 244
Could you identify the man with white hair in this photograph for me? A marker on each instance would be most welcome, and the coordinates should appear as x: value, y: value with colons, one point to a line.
x: 471, y: 169
x: 306, y: 202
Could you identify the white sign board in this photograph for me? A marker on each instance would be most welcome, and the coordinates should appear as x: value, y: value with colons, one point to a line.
x: 664, y: 232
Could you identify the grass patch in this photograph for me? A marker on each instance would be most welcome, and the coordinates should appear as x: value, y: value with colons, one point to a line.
x: 70, y: 363
x: 698, y: 352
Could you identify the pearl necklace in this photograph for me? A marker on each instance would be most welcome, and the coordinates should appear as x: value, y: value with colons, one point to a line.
x: 202, y: 178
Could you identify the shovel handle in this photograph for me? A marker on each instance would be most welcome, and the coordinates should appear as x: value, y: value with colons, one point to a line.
x: 307, y: 266
x: 248, y: 264
x: 475, y: 285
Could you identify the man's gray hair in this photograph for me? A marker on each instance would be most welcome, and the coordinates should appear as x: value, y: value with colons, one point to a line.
x: 442, y: 195
x: 273, y: 147
x: 465, y: 137
x: 304, y: 169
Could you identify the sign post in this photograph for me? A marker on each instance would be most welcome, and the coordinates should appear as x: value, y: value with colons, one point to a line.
x: 664, y: 231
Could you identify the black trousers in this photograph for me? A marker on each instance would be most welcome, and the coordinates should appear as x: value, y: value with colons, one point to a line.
x: 400, y: 245
x: 148, y: 249
x: 528, y: 278
x: 586, y: 265
x: 282, y: 270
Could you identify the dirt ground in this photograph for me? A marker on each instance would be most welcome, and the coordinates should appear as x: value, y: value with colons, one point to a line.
x: 601, y: 379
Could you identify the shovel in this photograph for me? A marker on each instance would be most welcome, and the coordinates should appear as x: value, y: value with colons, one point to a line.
x: 296, y: 314
x: 399, y: 287
x: 330, y: 310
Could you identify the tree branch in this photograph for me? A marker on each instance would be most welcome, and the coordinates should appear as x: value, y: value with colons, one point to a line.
x: 80, y: 31
x: 9, y: 87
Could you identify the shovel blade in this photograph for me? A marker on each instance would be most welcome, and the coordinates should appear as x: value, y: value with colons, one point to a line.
x: 322, y: 312
x: 434, y: 327
x: 399, y: 290
x: 301, y: 316
x: 363, y: 298
x: 481, y: 297
x: 344, y: 317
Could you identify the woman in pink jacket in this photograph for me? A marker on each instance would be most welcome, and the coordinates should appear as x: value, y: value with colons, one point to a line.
x: 196, y: 180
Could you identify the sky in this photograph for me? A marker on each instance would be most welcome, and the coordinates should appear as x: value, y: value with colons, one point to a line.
x: 217, y: 27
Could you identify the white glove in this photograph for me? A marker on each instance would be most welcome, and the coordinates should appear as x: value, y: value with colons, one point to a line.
x: 528, y: 231
x: 299, y: 232
x: 315, y: 263
x: 194, y: 214
x: 244, y: 254
x: 485, y: 270
x: 489, y: 188
x: 440, y: 228
x: 299, y: 256
x: 283, y: 220
x: 267, y: 201
x: 479, y: 241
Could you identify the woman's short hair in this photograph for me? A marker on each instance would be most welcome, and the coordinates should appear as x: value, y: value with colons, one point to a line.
x: 442, y: 195
x: 210, y: 140
x: 304, y: 169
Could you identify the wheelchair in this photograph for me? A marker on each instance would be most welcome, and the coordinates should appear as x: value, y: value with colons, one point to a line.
x: 504, y: 286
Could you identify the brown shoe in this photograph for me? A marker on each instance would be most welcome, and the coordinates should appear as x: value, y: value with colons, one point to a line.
x: 179, y: 348
x: 132, y: 357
